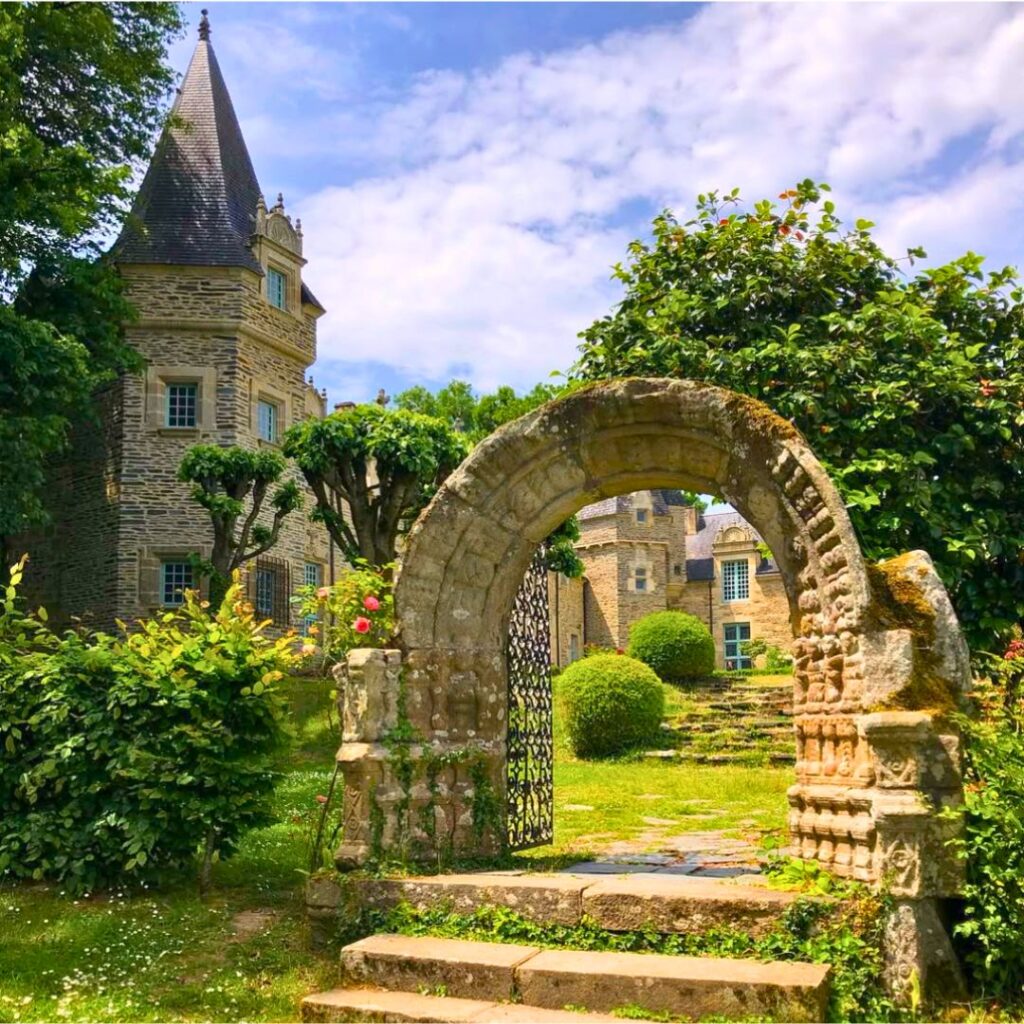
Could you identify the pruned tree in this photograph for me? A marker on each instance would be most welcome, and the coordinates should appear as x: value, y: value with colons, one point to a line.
x: 225, y: 481
x: 372, y: 470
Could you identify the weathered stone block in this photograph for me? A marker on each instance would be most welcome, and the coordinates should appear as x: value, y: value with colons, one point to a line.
x: 479, y: 970
x: 692, y: 905
x: 686, y: 986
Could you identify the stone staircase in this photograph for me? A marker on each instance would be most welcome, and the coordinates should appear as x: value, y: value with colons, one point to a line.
x: 388, y: 977
x: 732, y: 721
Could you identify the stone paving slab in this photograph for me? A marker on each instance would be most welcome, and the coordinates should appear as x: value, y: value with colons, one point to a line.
x: 686, y: 986
x: 364, y: 1004
x: 686, y: 904
x: 468, y: 970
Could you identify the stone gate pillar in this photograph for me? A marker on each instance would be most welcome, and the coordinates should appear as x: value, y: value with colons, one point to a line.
x: 422, y: 755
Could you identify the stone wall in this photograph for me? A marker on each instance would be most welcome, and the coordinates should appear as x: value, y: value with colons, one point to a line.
x: 565, y: 604
x: 208, y: 325
x: 767, y: 610
x: 611, y: 546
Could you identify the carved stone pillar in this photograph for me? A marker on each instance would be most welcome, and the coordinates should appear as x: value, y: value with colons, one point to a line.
x: 422, y: 755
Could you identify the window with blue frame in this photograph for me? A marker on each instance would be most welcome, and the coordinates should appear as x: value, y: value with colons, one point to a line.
x: 735, y: 580
x: 277, y: 288
x: 266, y: 420
x: 313, y: 577
x: 181, y: 405
x: 266, y: 584
x: 736, y: 635
x: 175, y: 578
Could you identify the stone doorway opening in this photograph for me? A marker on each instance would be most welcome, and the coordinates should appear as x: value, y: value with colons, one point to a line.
x: 879, y: 658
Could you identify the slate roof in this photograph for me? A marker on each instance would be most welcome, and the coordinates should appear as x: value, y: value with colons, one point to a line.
x: 660, y: 502
x: 700, y: 562
x: 197, y: 204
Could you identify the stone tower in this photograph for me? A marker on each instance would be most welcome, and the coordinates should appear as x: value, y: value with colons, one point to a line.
x: 228, y: 330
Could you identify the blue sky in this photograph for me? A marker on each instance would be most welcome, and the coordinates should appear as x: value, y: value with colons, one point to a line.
x: 467, y: 174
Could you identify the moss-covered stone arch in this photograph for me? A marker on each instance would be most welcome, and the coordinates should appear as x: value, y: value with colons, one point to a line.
x: 879, y: 658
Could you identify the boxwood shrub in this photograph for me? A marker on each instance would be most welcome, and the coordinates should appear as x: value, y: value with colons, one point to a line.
x: 610, y: 703
x: 675, y: 645
x: 127, y: 756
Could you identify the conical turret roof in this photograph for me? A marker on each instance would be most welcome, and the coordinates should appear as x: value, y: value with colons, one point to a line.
x: 197, y: 204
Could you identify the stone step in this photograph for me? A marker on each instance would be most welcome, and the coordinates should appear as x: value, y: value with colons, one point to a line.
x: 601, y: 981
x: 682, y: 903
x: 732, y: 725
x: 748, y: 757
x: 670, y: 903
x: 370, y: 1004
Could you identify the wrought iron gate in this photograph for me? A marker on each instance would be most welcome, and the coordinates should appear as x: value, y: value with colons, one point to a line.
x: 530, y: 782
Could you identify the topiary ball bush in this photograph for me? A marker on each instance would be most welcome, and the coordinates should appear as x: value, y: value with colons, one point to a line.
x: 676, y: 645
x: 609, y: 704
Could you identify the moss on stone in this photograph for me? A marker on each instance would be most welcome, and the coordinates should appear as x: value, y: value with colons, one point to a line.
x: 901, y: 603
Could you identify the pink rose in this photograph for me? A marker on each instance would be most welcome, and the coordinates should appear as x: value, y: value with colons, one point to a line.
x: 370, y: 603
x: 320, y: 798
x: 323, y: 593
x: 362, y: 624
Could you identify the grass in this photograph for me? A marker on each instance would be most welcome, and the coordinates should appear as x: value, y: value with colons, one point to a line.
x: 166, y: 955
x: 621, y: 793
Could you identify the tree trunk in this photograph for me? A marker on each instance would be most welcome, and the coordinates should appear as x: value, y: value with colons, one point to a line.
x: 206, y: 867
x: 219, y: 584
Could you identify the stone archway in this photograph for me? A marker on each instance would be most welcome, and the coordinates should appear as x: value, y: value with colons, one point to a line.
x: 879, y: 658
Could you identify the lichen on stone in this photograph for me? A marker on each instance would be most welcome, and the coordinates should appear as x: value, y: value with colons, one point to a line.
x: 901, y: 603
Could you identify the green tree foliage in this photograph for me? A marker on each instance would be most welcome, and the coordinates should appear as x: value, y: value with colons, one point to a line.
x: 126, y: 757
x: 476, y: 416
x: 675, y: 645
x: 225, y: 481
x: 81, y: 87
x: 610, y: 703
x: 372, y: 470
x: 991, y: 930
x: 909, y: 387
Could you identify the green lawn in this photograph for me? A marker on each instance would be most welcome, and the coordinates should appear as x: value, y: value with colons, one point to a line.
x: 622, y: 793
x: 166, y: 955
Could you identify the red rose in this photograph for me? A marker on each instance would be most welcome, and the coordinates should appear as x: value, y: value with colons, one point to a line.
x: 370, y: 603
x: 320, y: 798
x: 362, y: 624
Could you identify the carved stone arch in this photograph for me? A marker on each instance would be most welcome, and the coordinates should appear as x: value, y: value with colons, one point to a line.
x: 879, y: 658
x: 475, y: 540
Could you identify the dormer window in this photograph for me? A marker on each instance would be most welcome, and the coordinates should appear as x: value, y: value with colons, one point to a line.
x: 277, y: 288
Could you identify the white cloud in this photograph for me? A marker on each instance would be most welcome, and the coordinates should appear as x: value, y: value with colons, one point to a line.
x: 487, y: 235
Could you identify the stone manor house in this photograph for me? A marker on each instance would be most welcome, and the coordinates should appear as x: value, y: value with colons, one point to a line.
x: 228, y: 330
x: 651, y: 551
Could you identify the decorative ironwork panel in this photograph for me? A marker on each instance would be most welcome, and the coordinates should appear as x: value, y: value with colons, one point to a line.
x: 530, y: 783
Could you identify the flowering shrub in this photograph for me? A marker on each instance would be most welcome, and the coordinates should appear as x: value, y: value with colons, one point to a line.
x: 128, y: 756
x: 992, y: 929
x: 357, y: 611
